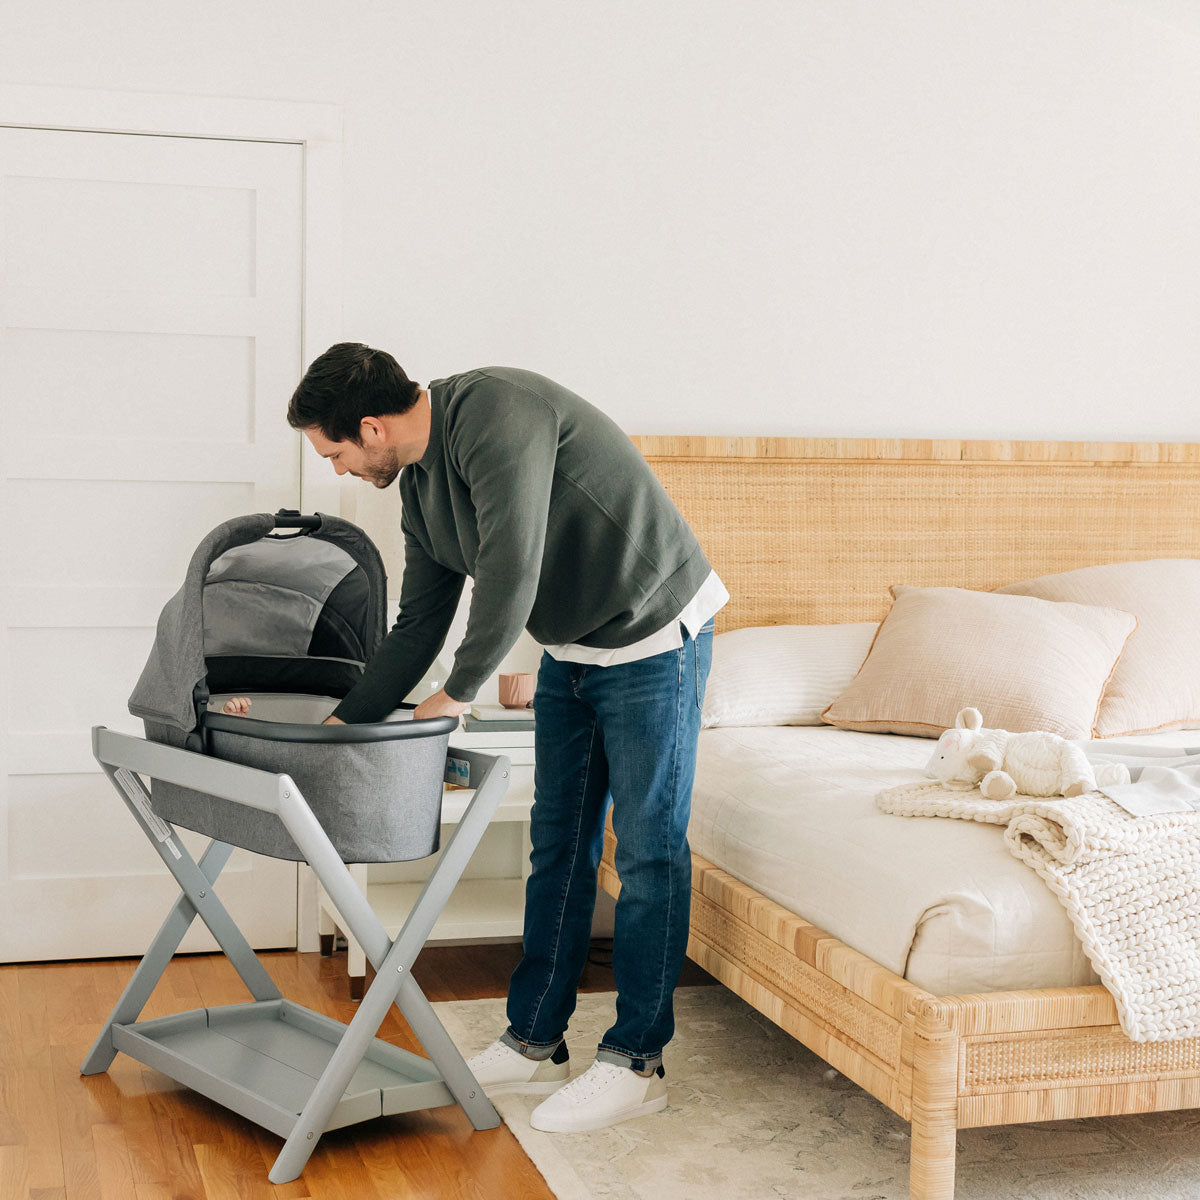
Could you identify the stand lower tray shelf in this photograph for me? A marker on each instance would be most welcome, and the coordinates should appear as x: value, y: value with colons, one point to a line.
x: 263, y: 1059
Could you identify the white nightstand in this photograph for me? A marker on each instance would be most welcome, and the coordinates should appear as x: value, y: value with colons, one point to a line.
x: 489, y: 902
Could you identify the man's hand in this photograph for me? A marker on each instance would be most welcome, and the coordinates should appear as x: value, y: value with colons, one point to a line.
x: 440, y: 705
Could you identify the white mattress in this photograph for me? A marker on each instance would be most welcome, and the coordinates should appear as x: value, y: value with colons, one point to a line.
x: 791, y: 812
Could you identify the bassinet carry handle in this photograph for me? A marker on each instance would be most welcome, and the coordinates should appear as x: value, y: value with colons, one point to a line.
x: 292, y: 518
x: 295, y: 731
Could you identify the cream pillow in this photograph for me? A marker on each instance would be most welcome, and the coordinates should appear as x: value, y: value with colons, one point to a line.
x: 1156, y: 683
x: 1024, y: 663
x: 782, y: 674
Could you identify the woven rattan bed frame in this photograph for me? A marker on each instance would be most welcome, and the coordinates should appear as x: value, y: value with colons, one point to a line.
x: 814, y: 531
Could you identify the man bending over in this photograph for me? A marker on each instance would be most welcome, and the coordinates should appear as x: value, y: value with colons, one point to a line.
x: 511, y: 479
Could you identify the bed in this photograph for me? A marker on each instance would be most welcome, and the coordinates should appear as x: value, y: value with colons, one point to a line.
x: 811, y: 531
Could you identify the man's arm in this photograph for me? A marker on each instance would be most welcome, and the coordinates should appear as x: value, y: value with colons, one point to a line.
x: 504, y: 442
x: 428, y: 601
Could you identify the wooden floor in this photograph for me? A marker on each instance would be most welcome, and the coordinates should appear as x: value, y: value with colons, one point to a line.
x: 134, y: 1134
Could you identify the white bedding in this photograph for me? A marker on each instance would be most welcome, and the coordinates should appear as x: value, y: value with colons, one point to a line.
x: 791, y: 812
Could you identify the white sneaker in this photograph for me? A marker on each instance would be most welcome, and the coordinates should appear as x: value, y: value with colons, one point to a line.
x: 501, y: 1069
x: 603, y: 1095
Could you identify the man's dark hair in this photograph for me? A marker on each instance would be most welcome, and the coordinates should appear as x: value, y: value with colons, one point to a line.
x: 348, y: 382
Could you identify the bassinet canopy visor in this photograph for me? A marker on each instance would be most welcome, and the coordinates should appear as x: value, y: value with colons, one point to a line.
x: 297, y: 612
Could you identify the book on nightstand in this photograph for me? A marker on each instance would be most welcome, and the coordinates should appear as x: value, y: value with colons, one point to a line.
x: 495, y: 718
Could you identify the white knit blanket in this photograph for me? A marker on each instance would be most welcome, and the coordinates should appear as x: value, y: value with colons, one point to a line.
x: 1131, y: 886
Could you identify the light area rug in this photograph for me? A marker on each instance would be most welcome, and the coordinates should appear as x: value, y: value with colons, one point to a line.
x: 753, y: 1115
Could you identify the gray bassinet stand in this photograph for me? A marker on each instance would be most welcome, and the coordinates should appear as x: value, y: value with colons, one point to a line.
x: 291, y: 1070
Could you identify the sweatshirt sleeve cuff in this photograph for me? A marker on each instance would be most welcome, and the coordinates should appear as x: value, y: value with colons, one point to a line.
x: 460, y: 688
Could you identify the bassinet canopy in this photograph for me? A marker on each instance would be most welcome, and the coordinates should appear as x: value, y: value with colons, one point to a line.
x: 261, y: 611
x: 287, y: 618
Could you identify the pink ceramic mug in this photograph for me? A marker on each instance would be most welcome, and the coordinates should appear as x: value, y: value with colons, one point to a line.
x: 516, y: 691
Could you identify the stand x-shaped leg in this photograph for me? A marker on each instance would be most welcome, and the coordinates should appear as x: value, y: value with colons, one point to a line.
x: 121, y: 756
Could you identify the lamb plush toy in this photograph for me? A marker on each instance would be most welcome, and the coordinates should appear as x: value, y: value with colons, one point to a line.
x: 1003, y: 763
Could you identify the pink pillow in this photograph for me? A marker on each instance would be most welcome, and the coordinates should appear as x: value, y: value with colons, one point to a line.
x: 1025, y: 663
x: 1156, y: 683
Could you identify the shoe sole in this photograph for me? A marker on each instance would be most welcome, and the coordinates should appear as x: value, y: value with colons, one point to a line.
x: 623, y: 1114
x: 528, y: 1089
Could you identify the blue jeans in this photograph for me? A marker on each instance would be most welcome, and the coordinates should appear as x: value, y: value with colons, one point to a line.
x: 624, y: 735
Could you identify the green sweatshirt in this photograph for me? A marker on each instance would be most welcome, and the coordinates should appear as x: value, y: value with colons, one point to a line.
x: 551, y: 509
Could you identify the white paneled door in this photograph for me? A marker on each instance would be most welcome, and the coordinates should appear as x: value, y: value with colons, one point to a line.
x: 150, y: 321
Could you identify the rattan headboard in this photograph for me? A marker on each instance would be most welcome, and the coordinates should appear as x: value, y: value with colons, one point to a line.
x: 814, y: 531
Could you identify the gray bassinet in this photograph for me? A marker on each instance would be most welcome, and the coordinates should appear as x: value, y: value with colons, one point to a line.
x: 290, y: 620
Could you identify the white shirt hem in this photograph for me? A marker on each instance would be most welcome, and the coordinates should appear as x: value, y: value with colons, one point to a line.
x: 709, y: 599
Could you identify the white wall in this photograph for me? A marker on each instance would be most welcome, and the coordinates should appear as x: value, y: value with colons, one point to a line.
x: 809, y: 217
